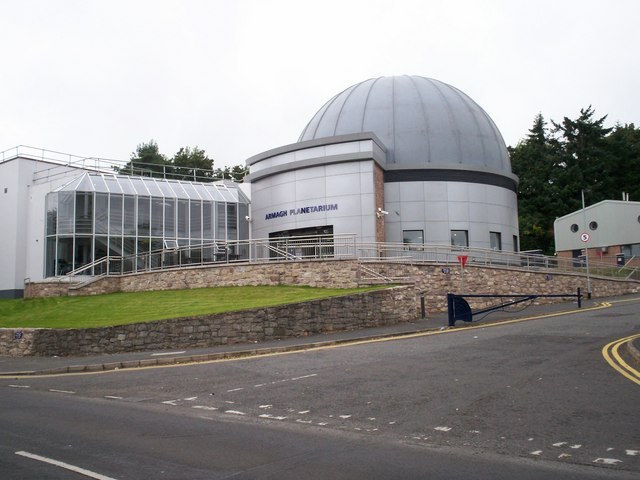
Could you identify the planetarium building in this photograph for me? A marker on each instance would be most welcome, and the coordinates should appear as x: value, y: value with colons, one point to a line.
x: 402, y: 159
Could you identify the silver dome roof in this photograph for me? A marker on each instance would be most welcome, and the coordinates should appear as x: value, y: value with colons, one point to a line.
x: 424, y: 123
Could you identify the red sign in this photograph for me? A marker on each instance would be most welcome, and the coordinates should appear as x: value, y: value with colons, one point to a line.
x: 463, y: 260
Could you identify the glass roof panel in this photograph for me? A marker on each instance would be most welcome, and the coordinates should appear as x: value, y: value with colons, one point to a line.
x: 98, y: 183
x: 153, y: 187
x: 190, y: 190
x: 167, y: 188
x: 112, y: 184
x: 125, y: 183
x: 139, y: 185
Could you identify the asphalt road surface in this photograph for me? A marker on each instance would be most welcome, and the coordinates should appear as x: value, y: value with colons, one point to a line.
x: 525, y: 400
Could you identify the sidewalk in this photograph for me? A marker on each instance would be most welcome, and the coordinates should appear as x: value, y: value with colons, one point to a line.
x: 19, y: 366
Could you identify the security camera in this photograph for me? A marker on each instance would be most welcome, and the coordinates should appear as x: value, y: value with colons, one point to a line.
x: 381, y: 212
x: 247, y: 218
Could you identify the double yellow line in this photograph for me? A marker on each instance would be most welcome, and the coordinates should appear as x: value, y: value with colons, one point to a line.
x: 613, y: 358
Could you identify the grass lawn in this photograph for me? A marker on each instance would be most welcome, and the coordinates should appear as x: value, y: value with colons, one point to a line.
x: 123, y: 308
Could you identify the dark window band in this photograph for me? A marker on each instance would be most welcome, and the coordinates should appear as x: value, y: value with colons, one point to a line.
x: 443, y: 175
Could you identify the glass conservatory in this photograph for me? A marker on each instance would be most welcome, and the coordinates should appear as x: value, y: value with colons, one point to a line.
x: 142, y: 223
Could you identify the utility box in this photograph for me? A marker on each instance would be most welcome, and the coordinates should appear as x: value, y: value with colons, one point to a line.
x: 620, y: 259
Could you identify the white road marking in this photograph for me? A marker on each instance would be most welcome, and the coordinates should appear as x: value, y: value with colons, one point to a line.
x: 443, y: 429
x: 66, y: 466
x: 265, y: 407
x: 299, y: 420
x: 632, y: 453
x: 607, y: 461
x: 268, y: 415
x: 576, y: 446
x: 19, y: 386
x: 204, y: 407
x: 113, y: 397
x: 345, y: 416
x: 537, y: 452
x: 172, y: 402
x: 564, y: 455
x: 235, y: 389
x: 559, y: 444
x: 62, y: 391
x: 166, y: 353
x: 190, y: 399
x: 234, y: 412
x: 302, y: 412
x: 323, y: 424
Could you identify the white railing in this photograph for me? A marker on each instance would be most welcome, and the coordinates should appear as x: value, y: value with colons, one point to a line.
x: 319, y: 247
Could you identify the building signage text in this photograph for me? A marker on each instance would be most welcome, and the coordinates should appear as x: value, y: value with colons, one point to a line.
x: 301, y: 210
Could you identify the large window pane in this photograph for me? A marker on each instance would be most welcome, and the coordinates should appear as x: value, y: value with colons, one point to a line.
x: 50, y: 260
x: 157, y: 223
x: 65, y: 255
x: 195, y: 217
x: 496, y: 240
x: 170, y: 218
x: 232, y: 221
x: 207, y: 220
x: 102, y: 213
x: 221, y: 221
x: 115, y: 215
x: 129, y: 215
x: 459, y: 238
x: 144, y: 216
x: 83, y: 253
x: 66, y: 201
x: 52, y: 213
x: 243, y: 229
x: 413, y: 236
x: 84, y: 212
x: 183, y: 218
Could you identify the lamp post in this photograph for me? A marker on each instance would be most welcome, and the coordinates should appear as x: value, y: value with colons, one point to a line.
x: 586, y: 244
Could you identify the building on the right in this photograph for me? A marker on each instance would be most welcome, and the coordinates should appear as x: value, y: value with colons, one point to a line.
x: 608, y: 231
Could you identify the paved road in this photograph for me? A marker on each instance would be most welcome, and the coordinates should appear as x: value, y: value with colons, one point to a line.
x: 533, y: 399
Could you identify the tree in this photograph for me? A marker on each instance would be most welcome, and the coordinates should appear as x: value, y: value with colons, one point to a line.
x: 146, y: 160
x: 555, y: 165
x: 534, y: 160
x: 236, y: 173
x: 187, y: 164
x: 192, y: 164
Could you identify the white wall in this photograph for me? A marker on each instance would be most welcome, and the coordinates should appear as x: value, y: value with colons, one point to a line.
x: 22, y: 210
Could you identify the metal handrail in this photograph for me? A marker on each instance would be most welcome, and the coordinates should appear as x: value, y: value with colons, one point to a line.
x: 343, y: 247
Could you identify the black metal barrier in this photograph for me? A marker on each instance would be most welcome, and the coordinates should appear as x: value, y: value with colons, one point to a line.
x: 459, y: 309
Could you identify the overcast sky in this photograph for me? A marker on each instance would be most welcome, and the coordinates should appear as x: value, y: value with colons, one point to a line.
x: 236, y: 78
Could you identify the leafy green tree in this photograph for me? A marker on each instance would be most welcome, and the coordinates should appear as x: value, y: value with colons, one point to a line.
x: 236, y: 173
x: 192, y: 164
x: 556, y: 165
x: 534, y: 160
x: 146, y: 160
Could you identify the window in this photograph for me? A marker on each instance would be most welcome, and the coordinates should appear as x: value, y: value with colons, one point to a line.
x: 413, y: 237
x: 631, y: 251
x: 515, y: 243
x: 495, y: 240
x: 459, y: 238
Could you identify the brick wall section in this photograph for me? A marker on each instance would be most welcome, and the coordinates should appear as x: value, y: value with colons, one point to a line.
x: 368, y: 309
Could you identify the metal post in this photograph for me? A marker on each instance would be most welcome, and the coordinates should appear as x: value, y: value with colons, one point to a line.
x: 423, y: 311
x: 579, y: 298
x: 450, y: 311
x: 586, y: 244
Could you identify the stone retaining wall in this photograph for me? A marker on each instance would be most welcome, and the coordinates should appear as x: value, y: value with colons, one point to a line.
x: 368, y: 309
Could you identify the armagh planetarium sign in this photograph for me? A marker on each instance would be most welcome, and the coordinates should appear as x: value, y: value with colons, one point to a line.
x: 301, y: 211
